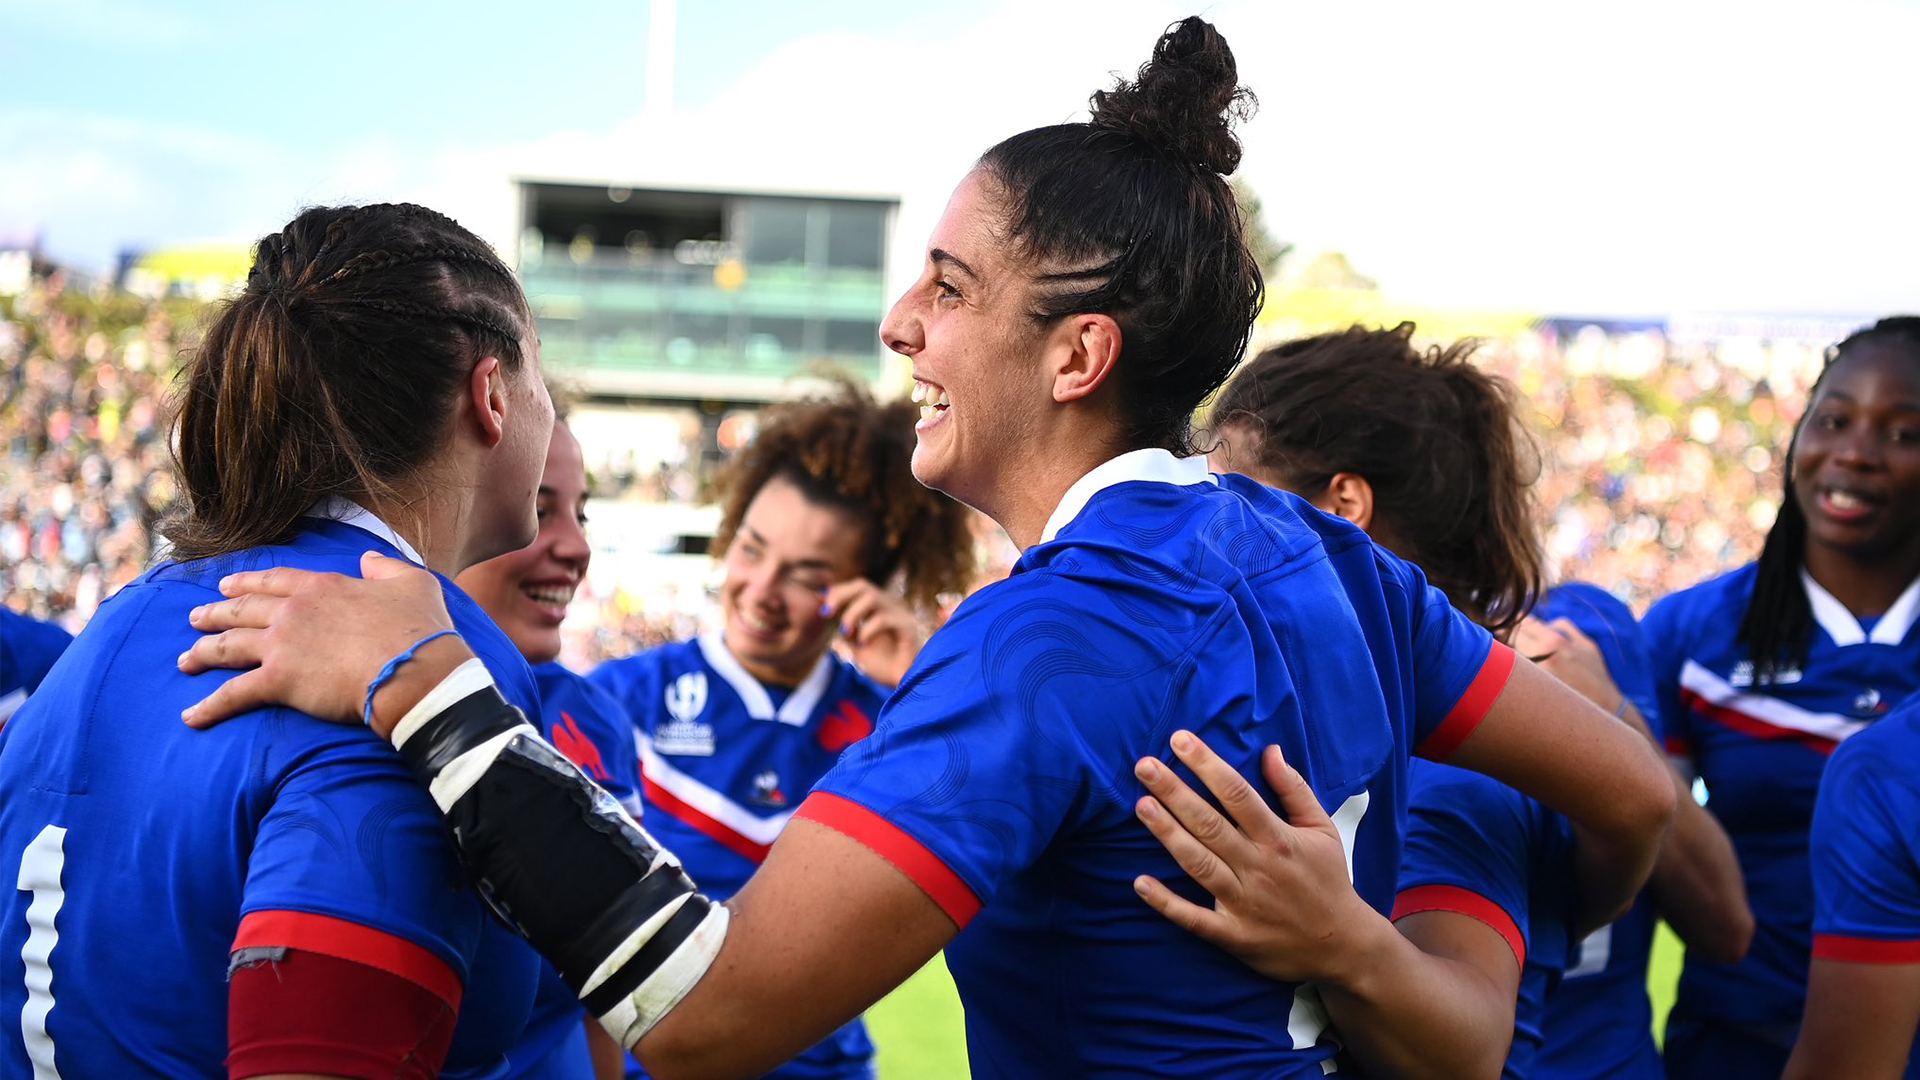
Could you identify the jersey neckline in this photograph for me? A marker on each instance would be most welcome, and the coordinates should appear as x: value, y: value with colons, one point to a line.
x: 1151, y: 465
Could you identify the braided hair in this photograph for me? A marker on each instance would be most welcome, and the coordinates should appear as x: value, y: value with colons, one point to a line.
x: 1778, y: 625
x: 335, y: 370
x: 847, y: 452
x: 1130, y: 215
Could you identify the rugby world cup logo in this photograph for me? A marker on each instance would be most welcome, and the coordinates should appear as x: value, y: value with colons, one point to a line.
x: 687, y: 697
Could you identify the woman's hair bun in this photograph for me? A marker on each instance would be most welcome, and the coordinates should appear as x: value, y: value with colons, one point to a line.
x: 1184, y: 99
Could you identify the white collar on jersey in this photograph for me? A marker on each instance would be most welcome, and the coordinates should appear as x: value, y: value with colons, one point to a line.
x: 1154, y: 465
x: 348, y: 512
x: 799, y: 705
x: 1844, y: 629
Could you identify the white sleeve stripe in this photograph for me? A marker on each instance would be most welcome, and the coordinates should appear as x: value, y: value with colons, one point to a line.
x: 467, y: 679
x: 464, y: 771
x: 636, y: 1014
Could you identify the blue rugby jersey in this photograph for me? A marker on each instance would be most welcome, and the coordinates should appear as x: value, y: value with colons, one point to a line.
x: 1866, y: 849
x: 28, y: 648
x: 591, y: 729
x: 1599, y: 1023
x: 1478, y: 848
x: 145, y: 852
x: 1761, y: 750
x: 725, y: 759
x: 1000, y: 777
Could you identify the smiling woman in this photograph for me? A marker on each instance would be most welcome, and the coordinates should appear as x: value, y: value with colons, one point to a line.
x: 820, y: 518
x: 1766, y: 670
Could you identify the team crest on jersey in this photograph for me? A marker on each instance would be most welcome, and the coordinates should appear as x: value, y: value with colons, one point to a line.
x: 1869, y: 703
x: 1742, y: 676
x: 766, y: 790
x: 684, y: 733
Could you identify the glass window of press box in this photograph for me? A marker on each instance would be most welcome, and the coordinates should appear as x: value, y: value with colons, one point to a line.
x: 741, y: 290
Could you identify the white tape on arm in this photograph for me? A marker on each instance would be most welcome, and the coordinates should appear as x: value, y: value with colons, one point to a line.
x: 462, y: 681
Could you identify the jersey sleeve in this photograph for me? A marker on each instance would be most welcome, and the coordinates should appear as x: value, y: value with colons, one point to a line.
x: 1459, y: 670
x: 1866, y: 881
x: 1667, y: 653
x: 351, y: 861
x: 981, y: 757
x: 1467, y: 851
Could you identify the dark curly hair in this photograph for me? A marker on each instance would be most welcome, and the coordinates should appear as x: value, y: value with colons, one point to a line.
x: 1778, y: 625
x: 1130, y: 215
x: 1441, y: 442
x: 848, y: 452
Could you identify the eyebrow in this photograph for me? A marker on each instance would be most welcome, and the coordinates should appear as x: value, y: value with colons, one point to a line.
x: 939, y: 256
x: 753, y: 535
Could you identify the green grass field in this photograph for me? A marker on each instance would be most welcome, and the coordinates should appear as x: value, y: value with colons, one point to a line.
x: 918, y: 1027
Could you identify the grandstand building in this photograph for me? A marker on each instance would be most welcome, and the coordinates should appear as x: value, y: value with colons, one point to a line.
x: 676, y: 314
x: 703, y: 296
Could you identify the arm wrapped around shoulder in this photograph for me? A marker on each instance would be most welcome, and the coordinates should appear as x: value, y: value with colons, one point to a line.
x: 559, y: 858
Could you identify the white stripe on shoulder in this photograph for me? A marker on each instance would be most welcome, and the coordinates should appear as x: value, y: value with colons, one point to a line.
x: 654, y: 767
x: 1767, y: 710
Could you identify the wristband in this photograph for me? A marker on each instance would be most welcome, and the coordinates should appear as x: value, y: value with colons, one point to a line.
x: 1621, y: 712
x: 393, y: 665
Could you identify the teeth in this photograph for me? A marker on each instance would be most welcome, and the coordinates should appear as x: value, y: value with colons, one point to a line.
x: 1845, y: 500
x: 549, y: 594
x: 928, y: 394
x: 928, y: 412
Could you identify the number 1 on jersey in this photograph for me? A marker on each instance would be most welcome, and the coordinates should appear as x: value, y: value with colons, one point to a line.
x: 40, y: 867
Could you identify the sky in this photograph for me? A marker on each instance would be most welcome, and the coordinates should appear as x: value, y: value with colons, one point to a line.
x: 1627, y: 158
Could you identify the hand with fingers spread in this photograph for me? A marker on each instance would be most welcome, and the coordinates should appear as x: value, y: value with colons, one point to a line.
x: 879, y: 628
x: 313, y: 641
x: 1284, y: 902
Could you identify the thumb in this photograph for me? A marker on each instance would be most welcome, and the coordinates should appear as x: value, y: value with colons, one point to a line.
x: 377, y: 567
x: 1298, y: 803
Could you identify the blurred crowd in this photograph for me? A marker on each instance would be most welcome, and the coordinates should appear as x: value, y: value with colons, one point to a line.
x: 1657, y: 473
x: 84, y: 463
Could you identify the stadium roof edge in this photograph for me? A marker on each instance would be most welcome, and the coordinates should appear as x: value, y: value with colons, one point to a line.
x: 892, y: 199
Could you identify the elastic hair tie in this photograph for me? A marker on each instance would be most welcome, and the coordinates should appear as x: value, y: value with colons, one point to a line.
x: 393, y: 665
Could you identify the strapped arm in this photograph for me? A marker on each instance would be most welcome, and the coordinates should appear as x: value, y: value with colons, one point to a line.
x: 559, y: 858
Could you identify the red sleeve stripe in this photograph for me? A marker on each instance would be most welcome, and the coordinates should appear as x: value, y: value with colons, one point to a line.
x: 1472, y: 706
x: 345, y: 940
x: 906, y: 854
x: 1855, y: 950
x: 1462, y: 902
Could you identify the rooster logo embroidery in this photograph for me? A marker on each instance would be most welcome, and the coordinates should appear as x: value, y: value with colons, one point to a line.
x: 567, y: 738
x: 844, y: 726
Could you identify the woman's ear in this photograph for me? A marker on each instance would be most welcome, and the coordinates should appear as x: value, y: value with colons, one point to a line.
x: 487, y: 394
x: 1348, y: 495
x: 1093, y: 348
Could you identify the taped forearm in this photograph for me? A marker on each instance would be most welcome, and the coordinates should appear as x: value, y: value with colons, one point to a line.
x: 559, y: 858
